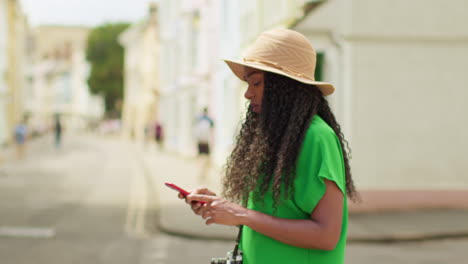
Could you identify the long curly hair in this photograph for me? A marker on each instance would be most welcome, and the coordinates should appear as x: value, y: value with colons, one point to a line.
x: 269, y: 142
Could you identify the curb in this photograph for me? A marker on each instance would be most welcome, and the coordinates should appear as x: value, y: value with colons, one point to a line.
x: 156, y: 221
x: 399, y: 238
x: 352, y: 239
x: 193, y: 236
x: 384, y: 239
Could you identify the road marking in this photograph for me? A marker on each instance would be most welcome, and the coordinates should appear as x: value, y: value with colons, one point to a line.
x: 138, y: 200
x: 130, y: 207
x: 29, y: 232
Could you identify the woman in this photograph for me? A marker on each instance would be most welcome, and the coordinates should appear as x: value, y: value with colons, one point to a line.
x: 288, y: 176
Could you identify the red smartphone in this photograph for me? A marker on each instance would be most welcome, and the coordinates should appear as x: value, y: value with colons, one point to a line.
x: 180, y: 190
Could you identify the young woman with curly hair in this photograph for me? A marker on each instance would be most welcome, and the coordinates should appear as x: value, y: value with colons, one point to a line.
x: 288, y: 177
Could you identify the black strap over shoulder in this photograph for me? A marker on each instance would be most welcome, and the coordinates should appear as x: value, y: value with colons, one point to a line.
x: 236, y: 248
x: 235, y: 256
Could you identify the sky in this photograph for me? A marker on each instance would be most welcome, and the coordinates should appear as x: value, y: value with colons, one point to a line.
x: 84, y: 12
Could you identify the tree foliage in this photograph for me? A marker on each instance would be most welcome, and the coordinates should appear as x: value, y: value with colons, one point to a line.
x: 105, y: 55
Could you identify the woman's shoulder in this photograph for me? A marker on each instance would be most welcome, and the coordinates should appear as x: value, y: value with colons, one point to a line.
x: 319, y: 130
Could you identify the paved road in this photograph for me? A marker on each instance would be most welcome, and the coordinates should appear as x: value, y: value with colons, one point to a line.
x: 89, y: 203
x: 84, y: 203
x: 68, y: 205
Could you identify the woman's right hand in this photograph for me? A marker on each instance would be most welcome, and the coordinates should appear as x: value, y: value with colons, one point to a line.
x: 197, y: 206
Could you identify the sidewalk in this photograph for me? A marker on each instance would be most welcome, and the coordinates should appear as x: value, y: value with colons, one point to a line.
x: 377, y: 219
x: 175, y: 216
x: 9, y: 153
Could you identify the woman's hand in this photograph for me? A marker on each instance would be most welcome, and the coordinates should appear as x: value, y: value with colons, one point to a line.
x: 217, y: 210
x: 197, y: 206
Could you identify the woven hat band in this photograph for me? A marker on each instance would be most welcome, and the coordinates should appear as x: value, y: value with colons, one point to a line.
x: 279, y: 67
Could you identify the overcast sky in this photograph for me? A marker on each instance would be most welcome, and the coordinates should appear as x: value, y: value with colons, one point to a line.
x: 84, y: 12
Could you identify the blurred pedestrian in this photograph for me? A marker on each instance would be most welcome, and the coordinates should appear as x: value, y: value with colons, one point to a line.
x: 20, y: 138
x: 158, y: 134
x: 58, y: 131
x: 288, y: 177
x: 203, y: 133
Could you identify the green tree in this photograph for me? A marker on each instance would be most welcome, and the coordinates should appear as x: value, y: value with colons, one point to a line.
x: 105, y: 55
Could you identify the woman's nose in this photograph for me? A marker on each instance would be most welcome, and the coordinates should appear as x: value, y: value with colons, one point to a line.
x: 248, y: 94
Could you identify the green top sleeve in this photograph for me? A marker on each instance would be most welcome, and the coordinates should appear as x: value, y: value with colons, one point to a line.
x: 321, y: 158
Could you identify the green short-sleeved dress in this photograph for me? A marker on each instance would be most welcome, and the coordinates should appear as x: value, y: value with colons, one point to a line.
x: 320, y: 158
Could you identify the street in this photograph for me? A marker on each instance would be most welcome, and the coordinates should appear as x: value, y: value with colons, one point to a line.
x: 88, y: 202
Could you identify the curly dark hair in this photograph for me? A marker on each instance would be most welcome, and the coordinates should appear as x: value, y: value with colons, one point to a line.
x: 269, y: 142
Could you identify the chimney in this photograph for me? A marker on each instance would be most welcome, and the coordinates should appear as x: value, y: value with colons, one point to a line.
x: 153, y: 8
x: 153, y: 12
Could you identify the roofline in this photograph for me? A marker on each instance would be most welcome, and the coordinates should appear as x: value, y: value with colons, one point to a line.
x: 307, y: 8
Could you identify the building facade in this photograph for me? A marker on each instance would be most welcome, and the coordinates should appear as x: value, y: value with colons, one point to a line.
x: 195, y: 35
x: 59, y: 80
x: 399, y: 67
x: 189, y: 49
x: 141, y: 78
x: 241, y: 23
x: 4, y: 128
x: 13, y: 67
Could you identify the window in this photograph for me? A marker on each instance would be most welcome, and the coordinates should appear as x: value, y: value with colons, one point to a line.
x: 194, y: 38
x: 319, y: 68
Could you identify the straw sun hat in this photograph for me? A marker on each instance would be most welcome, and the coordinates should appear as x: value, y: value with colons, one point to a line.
x: 285, y: 52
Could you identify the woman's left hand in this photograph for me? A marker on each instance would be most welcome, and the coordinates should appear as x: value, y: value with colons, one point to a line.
x: 219, y: 211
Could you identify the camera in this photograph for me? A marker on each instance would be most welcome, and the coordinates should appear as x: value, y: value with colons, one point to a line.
x: 229, y: 259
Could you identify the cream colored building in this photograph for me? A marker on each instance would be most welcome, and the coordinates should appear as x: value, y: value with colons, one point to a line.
x: 141, y: 78
x: 59, y: 79
x: 4, y: 127
x: 400, y: 71
x: 189, y: 48
x: 195, y: 35
x: 242, y: 21
x: 398, y: 66
x: 13, y: 66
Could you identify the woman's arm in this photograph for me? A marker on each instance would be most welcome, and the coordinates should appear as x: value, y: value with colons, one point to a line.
x: 322, y: 231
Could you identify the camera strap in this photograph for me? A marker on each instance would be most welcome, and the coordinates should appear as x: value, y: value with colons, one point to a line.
x: 236, y: 248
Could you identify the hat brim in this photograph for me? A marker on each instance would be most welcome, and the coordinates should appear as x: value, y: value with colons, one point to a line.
x: 238, y: 68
